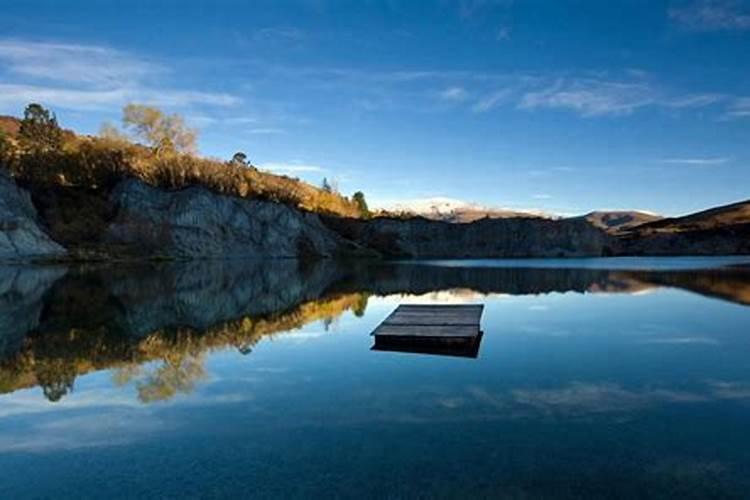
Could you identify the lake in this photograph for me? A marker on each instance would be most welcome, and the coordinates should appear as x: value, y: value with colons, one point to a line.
x: 624, y: 378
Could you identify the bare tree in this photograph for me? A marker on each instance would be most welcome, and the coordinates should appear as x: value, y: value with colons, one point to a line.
x: 164, y: 133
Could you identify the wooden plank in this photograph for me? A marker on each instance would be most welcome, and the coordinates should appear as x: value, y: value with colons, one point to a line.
x: 449, y: 315
x: 427, y: 331
x: 433, y: 319
x: 444, y: 308
x: 437, y: 321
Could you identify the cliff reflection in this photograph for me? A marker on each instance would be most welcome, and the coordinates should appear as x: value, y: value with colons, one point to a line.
x: 154, y: 325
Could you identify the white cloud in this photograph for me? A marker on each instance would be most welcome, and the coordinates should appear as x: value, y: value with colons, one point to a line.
x: 86, y: 64
x: 266, y: 131
x: 279, y: 35
x: 491, y: 101
x: 739, y: 108
x: 88, y: 77
x: 503, y: 34
x: 454, y: 94
x: 682, y: 341
x: 604, y: 93
x: 542, y: 196
x: 711, y: 15
x: 591, y: 97
x: 15, y: 96
x: 695, y: 100
x: 696, y: 161
x: 241, y: 120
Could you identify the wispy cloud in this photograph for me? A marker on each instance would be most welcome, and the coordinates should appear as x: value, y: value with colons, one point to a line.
x: 682, y: 341
x: 711, y: 15
x: 588, y: 94
x: 457, y: 94
x: 503, y: 33
x: 491, y: 101
x: 739, y: 108
x: 72, y: 63
x: 696, y: 161
x: 279, y: 35
x: 694, y: 100
x: 591, y: 97
x: 13, y: 97
x: 266, y: 131
x: 88, y: 77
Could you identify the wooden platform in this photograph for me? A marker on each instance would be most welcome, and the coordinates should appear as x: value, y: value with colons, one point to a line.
x: 431, y: 329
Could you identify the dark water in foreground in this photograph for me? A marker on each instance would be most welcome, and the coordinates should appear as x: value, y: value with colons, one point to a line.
x: 241, y: 380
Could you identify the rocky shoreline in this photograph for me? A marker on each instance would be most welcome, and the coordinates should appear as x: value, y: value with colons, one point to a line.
x: 144, y: 222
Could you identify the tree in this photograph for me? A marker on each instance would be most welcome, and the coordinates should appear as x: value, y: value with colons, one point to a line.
x: 325, y: 186
x: 240, y: 158
x: 39, y: 131
x: 359, y: 200
x: 162, y: 132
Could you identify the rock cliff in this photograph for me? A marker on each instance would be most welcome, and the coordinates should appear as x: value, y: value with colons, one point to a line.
x: 196, y: 223
x: 21, y: 236
x: 136, y: 220
x: 486, y: 238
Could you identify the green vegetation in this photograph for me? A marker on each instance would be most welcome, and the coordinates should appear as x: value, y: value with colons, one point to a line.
x: 156, y: 148
x: 39, y: 131
x: 240, y: 158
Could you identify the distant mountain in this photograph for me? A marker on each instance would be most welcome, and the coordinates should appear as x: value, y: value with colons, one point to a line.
x: 617, y: 221
x: 453, y: 210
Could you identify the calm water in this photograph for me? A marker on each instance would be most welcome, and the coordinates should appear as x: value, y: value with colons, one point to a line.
x: 627, y: 380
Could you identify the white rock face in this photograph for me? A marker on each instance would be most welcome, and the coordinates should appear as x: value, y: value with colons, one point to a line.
x: 21, y: 238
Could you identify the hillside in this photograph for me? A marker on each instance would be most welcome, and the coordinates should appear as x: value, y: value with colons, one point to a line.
x: 713, y: 218
x: 722, y: 230
x: 617, y: 221
x: 85, y: 162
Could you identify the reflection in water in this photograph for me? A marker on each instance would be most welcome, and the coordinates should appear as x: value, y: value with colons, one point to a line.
x: 153, y: 325
x: 464, y: 347
x: 572, y: 396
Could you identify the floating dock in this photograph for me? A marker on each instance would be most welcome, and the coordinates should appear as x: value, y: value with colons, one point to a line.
x: 451, y: 330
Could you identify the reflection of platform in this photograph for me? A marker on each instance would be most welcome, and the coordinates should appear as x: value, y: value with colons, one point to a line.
x: 451, y: 330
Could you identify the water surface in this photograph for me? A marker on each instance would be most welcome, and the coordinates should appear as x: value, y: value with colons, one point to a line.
x: 230, y: 379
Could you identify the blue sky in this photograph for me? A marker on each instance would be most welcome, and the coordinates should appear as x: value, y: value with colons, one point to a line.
x: 563, y: 106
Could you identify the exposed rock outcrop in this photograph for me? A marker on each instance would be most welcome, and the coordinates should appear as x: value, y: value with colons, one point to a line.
x: 21, y: 237
x: 196, y: 223
x: 136, y: 220
x: 486, y: 238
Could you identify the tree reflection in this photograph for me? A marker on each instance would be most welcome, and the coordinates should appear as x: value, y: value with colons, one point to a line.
x: 177, y: 374
x: 155, y: 327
